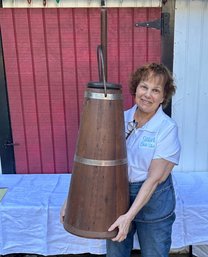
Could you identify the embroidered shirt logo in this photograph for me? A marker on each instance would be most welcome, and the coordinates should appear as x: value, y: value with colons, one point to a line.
x: 148, y: 142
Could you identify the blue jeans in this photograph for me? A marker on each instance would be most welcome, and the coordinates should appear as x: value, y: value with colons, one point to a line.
x: 153, y: 224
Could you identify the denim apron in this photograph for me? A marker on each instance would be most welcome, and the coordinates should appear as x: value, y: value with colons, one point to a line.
x: 160, y: 206
x: 153, y: 223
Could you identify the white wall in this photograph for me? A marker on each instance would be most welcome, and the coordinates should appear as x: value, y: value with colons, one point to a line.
x: 190, y: 105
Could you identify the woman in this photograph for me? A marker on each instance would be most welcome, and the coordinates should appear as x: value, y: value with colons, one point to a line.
x: 153, y: 149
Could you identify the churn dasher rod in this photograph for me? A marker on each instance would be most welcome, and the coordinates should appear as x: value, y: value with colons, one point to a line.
x: 102, y: 76
x: 103, y: 34
x: 102, y: 49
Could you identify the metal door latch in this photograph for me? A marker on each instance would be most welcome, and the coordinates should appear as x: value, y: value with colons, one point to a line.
x: 8, y: 143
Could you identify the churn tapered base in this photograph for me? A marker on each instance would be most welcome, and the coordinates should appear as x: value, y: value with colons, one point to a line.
x: 90, y: 234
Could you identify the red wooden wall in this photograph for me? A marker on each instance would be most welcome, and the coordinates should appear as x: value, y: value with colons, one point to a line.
x: 50, y: 55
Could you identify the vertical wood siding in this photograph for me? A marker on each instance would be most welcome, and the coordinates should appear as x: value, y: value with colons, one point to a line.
x: 190, y: 67
x: 50, y: 55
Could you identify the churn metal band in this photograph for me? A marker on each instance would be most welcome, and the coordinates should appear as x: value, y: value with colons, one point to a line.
x: 100, y: 96
x: 94, y: 162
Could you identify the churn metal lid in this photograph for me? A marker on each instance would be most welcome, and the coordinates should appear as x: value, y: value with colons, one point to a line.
x: 100, y: 85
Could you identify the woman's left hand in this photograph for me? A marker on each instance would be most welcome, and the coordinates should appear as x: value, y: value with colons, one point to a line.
x: 62, y: 212
x: 123, y: 225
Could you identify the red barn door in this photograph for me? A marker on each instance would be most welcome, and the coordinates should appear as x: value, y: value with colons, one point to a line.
x: 50, y: 55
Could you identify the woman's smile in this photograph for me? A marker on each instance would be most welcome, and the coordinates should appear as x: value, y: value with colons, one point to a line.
x: 149, y: 95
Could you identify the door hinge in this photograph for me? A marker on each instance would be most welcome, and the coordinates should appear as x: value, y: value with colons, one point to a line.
x: 162, y: 24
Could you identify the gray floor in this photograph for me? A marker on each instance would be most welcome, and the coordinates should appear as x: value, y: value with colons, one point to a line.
x: 134, y: 254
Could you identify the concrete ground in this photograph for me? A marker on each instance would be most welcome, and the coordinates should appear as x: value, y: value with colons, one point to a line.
x: 135, y: 253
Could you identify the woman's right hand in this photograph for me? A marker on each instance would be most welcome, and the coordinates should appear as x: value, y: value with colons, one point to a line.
x: 123, y: 224
x: 62, y: 212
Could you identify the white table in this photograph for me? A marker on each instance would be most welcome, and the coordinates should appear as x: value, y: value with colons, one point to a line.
x: 29, y: 215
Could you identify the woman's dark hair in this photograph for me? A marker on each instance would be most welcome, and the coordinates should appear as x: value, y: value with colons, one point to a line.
x: 154, y: 70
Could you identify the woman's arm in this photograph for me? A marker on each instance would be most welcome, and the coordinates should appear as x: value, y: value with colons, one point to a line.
x: 158, y: 172
x: 62, y: 212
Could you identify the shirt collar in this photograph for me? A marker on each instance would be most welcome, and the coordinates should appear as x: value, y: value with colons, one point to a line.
x: 152, y: 124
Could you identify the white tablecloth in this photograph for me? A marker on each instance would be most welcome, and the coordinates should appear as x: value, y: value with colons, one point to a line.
x: 29, y: 215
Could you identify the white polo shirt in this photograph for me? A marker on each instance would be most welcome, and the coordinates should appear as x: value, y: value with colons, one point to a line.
x: 158, y: 138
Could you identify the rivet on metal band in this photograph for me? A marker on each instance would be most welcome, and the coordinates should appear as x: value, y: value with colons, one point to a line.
x: 101, y: 96
x: 94, y: 162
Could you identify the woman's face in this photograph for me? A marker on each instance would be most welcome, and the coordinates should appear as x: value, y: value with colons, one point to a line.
x: 150, y: 94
